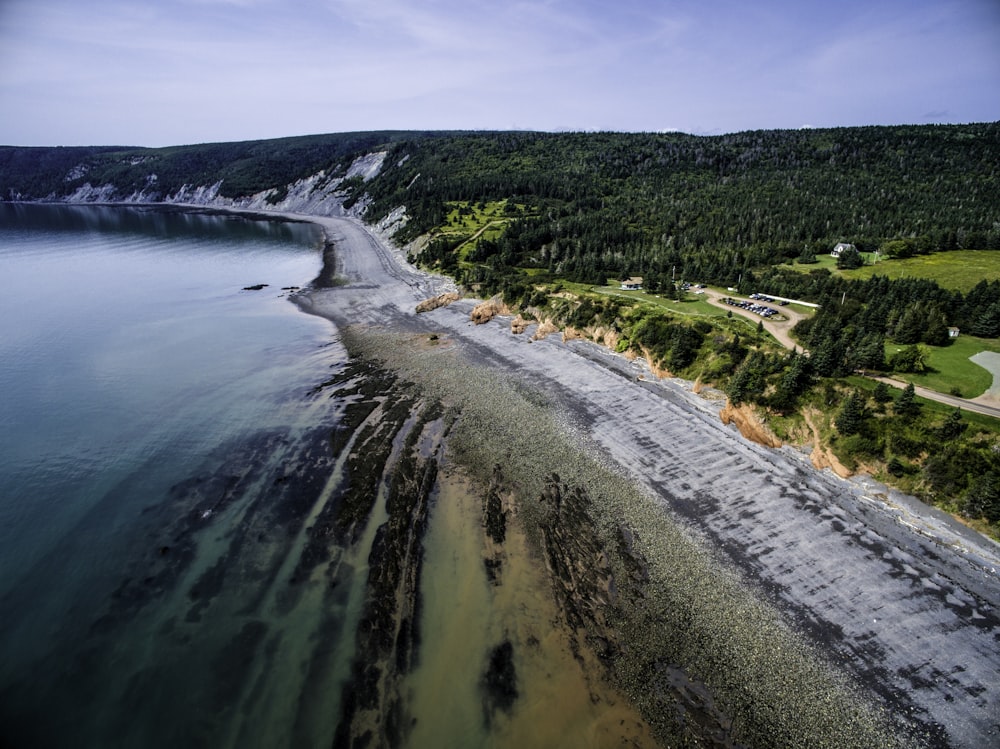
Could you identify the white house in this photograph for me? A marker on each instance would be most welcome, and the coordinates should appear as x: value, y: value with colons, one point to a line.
x: 841, y: 248
x: 632, y: 284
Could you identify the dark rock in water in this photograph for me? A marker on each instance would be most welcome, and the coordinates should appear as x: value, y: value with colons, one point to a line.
x: 256, y: 287
x: 496, y: 518
x: 493, y: 569
x: 500, y: 680
x: 388, y: 631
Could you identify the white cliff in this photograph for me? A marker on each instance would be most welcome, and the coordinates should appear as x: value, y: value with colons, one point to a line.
x: 317, y: 195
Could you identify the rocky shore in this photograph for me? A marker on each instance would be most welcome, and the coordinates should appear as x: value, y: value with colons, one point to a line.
x: 737, y: 595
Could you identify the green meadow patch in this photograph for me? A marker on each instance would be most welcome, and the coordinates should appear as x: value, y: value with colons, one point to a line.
x: 951, y: 368
x: 690, y: 305
x: 959, y: 270
x: 468, y: 222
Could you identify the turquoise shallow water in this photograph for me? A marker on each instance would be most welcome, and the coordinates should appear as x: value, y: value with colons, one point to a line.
x: 125, y: 332
x: 142, y: 389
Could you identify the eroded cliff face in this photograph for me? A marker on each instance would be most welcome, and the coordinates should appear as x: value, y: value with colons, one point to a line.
x: 319, y: 194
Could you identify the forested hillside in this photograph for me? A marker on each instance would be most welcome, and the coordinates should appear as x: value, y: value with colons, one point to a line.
x: 243, y: 168
x: 611, y: 205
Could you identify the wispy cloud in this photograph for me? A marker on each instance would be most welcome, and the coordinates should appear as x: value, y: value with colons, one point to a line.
x: 222, y: 69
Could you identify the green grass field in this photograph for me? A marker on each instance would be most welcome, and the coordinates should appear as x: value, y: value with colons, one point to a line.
x: 691, y: 305
x: 959, y: 270
x: 952, y: 370
x: 822, y: 261
x: 472, y: 222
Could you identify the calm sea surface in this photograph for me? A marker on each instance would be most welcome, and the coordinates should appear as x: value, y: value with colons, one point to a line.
x: 165, y: 463
x: 133, y: 367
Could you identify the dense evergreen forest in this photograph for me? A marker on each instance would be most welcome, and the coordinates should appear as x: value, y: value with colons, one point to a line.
x: 611, y: 205
x: 726, y: 210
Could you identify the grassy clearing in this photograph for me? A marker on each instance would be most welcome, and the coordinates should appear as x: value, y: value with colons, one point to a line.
x: 691, y: 305
x: 959, y: 270
x: 828, y: 262
x: 474, y: 221
x: 951, y: 368
x: 465, y: 217
x: 822, y: 261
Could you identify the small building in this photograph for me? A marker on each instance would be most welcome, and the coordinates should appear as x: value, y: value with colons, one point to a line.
x: 632, y: 284
x: 841, y: 248
x: 953, y: 332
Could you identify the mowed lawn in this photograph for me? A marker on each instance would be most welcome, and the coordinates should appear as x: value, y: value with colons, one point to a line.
x: 951, y: 369
x: 959, y: 270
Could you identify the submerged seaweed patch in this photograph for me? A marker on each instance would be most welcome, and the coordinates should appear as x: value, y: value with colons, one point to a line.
x: 499, y: 681
x: 388, y: 634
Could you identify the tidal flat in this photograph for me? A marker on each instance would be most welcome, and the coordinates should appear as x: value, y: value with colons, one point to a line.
x: 648, y: 616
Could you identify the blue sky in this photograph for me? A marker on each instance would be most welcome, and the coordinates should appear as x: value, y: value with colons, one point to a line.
x: 165, y: 72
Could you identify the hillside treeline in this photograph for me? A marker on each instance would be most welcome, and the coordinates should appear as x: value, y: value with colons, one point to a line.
x: 244, y: 168
x: 707, y: 208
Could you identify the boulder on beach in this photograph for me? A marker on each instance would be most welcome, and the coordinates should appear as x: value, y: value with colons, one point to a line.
x: 441, y: 300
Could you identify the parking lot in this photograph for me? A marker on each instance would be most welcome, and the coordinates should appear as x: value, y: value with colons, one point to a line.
x: 755, y: 306
x: 779, y: 322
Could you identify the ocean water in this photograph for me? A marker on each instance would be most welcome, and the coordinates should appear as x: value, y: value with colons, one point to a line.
x: 175, y: 455
x: 143, y: 391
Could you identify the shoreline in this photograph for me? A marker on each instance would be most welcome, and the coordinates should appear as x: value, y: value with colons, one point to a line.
x: 926, y: 519
x: 784, y: 525
x: 894, y: 525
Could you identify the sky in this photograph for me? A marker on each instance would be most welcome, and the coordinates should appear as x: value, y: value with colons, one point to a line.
x: 171, y: 72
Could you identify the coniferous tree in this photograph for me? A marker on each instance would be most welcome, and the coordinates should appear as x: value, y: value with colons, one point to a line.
x: 881, y: 393
x: 906, y: 405
x: 852, y: 415
x: 748, y: 381
x: 982, y: 498
x: 910, y: 328
x: 953, y: 426
x: 936, y: 328
x: 987, y: 324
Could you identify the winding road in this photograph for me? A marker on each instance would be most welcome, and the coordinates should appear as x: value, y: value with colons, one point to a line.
x: 781, y: 330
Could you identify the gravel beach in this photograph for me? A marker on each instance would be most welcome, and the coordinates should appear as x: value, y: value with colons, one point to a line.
x: 900, y: 599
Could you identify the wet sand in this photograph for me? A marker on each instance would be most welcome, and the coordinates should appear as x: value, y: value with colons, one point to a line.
x: 558, y: 702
